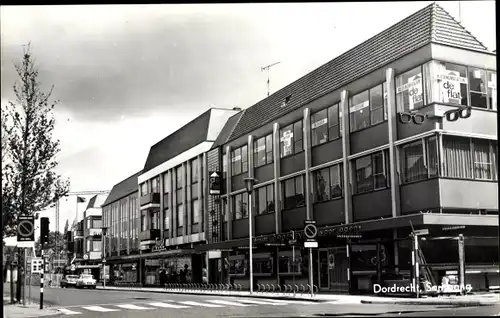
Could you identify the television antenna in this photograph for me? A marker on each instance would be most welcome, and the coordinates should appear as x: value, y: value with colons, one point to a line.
x: 267, y: 68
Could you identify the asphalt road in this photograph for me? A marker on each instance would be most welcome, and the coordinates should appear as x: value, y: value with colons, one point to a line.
x: 117, y: 304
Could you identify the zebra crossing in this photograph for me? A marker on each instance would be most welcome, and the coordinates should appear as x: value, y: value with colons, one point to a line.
x: 169, y: 304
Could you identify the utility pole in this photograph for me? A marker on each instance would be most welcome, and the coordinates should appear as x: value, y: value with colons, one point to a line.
x: 267, y: 68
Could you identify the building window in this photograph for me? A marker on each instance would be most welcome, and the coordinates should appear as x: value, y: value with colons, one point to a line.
x: 291, y: 141
x: 240, y: 206
x: 166, y: 220
x: 144, y: 188
x: 420, y: 161
x: 180, y: 215
x: 367, y: 108
x: 478, y: 87
x: 492, y: 90
x: 372, y: 172
x: 263, y: 151
x: 178, y: 177
x: 96, y: 224
x: 287, y: 265
x: 166, y: 183
x: 96, y: 246
x: 293, y: 192
x: 195, y: 212
x: 194, y: 170
x: 143, y: 223
x: 327, y: 183
x: 265, y: 199
x: 155, y: 185
x: 446, y: 83
x: 325, y: 125
x: 239, y: 160
x: 467, y: 158
x: 409, y: 90
x: 263, y: 266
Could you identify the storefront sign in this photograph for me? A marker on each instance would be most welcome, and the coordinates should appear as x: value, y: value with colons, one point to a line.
x: 236, y: 158
x: 412, y: 82
x: 152, y: 262
x: 339, y: 230
x: 159, y: 245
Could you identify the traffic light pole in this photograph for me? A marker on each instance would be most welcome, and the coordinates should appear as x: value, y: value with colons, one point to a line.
x: 41, y: 282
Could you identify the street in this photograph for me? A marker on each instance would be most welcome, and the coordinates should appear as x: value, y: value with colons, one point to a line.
x: 115, y: 304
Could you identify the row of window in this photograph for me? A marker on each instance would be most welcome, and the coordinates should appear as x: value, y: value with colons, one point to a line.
x: 153, y: 185
x: 464, y: 158
x: 434, y: 81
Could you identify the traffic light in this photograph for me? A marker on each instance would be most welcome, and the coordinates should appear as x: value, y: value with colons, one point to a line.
x: 44, y: 230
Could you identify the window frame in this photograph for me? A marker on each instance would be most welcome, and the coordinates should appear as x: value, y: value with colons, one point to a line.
x: 242, y: 163
x: 293, y: 141
x: 197, y: 201
x: 267, y: 159
x: 283, y: 192
x: 425, y: 154
x: 369, y: 107
x: 330, y: 192
x: 238, y: 215
x: 385, y: 172
x: 401, y: 108
x: 258, y: 198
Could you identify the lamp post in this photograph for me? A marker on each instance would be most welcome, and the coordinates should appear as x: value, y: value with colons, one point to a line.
x: 249, y: 183
x: 104, y: 231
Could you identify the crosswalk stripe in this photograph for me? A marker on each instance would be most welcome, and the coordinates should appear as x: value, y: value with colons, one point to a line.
x: 99, y: 308
x: 130, y: 306
x: 229, y: 303
x: 303, y: 302
x: 163, y: 305
x: 195, y: 303
x: 259, y: 302
x: 69, y: 312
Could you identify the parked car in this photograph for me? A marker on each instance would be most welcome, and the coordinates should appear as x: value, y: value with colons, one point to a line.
x: 86, y: 280
x: 69, y: 281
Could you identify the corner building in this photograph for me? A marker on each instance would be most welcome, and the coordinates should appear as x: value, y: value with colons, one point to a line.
x: 334, y: 147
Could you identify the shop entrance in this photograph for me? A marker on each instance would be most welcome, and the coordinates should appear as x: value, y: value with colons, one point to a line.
x: 332, y: 269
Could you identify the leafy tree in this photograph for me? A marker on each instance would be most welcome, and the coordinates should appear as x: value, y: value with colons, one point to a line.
x: 29, y: 183
x: 57, y: 241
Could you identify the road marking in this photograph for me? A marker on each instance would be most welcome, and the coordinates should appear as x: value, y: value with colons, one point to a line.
x: 130, y: 306
x: 99, y: 308
x: 287, y: 302
x: 229, y: 303
x: 195, y: 303
x: 259, y: 302
x: 69, y: 312
x: 163, y: 305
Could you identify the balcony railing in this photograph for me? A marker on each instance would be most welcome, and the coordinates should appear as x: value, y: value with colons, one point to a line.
x: 149, y: 235
x: 150, y: 198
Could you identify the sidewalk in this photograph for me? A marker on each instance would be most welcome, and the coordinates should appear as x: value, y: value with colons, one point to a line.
x: 469, y: 300
x: 31, y: 310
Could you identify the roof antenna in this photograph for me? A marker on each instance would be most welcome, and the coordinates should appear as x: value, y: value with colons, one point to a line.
x: 267, y: 68
x: 459, y: 12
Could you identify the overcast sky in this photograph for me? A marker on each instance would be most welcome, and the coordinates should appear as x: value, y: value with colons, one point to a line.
x: 127, y: 76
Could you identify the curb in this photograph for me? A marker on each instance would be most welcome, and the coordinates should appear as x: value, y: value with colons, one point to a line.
x: 217, y: 294
x: 436, y: 302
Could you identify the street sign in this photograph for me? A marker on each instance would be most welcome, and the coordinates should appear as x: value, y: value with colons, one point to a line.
x: 73, y: 267
x: 85, y: 257
x: 25, y: 229
x: 215, y: 183
x: 421, y: 232
x: 310, y: 232
x: 309, y: 244
x: 26, y: 244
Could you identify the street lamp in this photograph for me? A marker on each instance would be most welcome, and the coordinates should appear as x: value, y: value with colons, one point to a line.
x: 104, y: 231
x: 249, y: 183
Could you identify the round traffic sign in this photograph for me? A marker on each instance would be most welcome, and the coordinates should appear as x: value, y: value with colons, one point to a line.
x: 310, y: 231
x: 25, y: 228
x: 73, y: 268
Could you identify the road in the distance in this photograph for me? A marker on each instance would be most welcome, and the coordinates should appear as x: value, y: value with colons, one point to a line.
x: 139, y: 304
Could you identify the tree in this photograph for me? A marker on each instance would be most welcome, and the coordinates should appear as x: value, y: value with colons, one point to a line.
x: 57, y: 241
x: 29, y: 183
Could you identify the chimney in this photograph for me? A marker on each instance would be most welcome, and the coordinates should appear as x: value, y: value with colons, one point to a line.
x: 236, y: 108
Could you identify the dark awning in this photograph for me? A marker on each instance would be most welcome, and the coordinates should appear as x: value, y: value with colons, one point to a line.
x: 151, y: 255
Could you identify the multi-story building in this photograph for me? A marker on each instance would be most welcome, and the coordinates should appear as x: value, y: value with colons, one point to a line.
x: 339, y: 147
x: 169, y: 220
x: 122, y: 246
